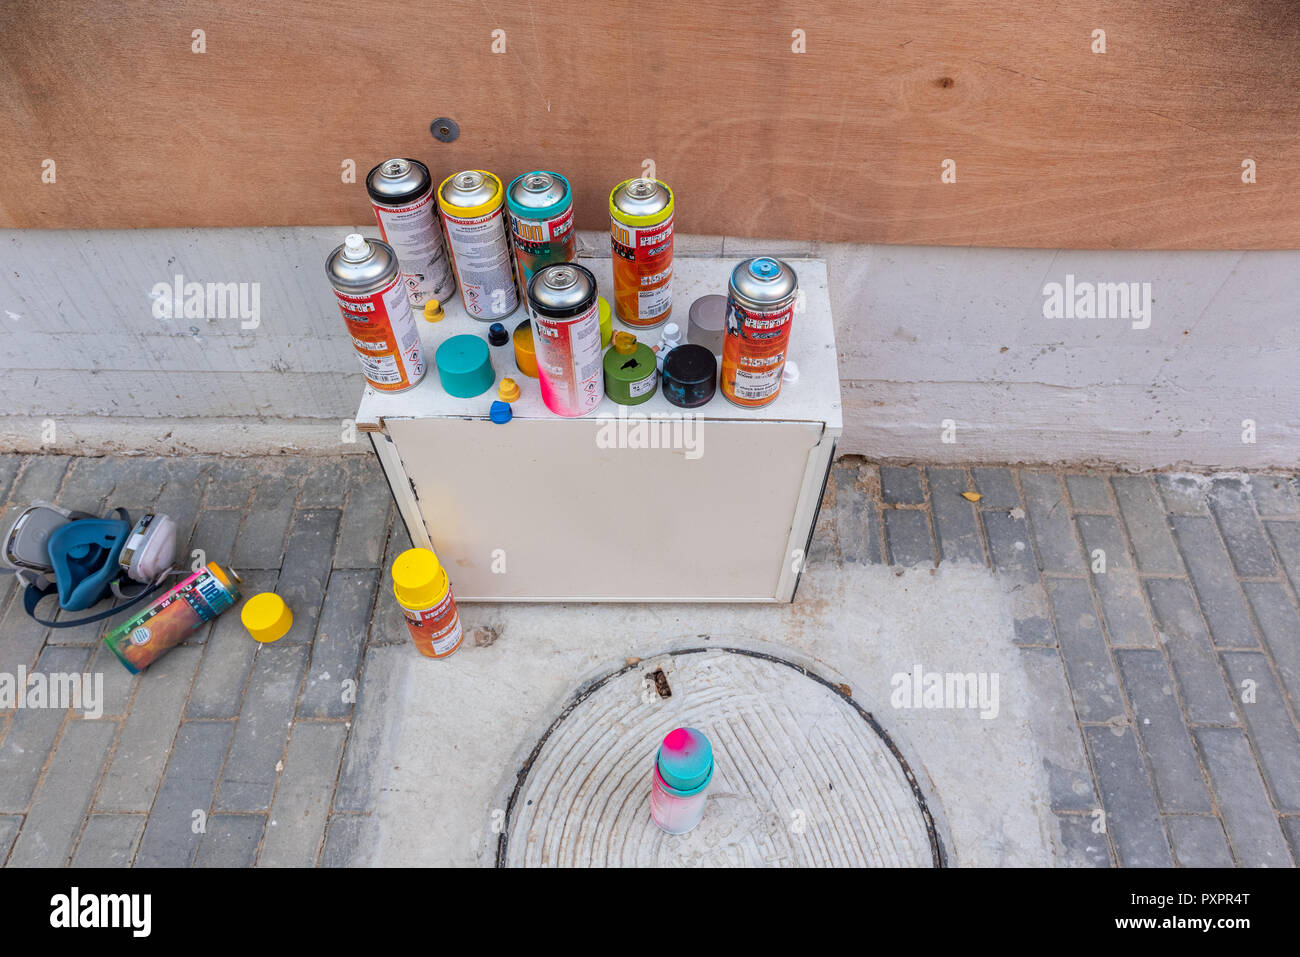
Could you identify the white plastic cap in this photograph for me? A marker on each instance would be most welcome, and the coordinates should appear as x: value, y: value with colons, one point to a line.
x: 672, y: 333
x: 355, y: 246
x: 790, y: 373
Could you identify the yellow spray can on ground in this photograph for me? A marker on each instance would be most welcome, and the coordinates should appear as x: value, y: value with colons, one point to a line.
x: 422, y: 589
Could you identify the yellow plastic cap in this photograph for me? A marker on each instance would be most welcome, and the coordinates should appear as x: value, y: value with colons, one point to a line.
x: 433, y: 311
x: 266, y: 617
x: 508, y: 391
x: 624, y: 343
x: 418, y: 578
x: 525, y: 350
x: 606, y: 322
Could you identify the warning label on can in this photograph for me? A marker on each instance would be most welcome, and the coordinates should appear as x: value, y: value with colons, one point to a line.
x: 481, y: 253
x: 385, y: 336
x: 413, y: 232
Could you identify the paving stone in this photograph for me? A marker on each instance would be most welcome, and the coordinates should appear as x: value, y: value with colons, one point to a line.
x: 901, y: 486
x: 955, y: 526
x: 998, y: 487
x: 1132, y: 820
x: 39, y: 480
x: 1057, y: 733
x: 139, y: 482
x: 907, y: 536
x: 1253, y: 830
x: 340, y: 642
x: 119, y: 684
x: 21, y: 638
x: 148, y: 732
x: 10, y: 824
x: 1089, y: 493
x: 1118, y: 588
x: 169, y: 838
x: 1286, y: 539
x: 231, y: 482
x: 181, y: 498
x: 308, y: 558
x: 1034, y: 631
x: 1148, y: 529
x: 1268, y: 726
x: 363, y: 531
x: 88, y: 483
x: 1290, y: 827
x: 59, y: 809
x: 1179, y: 783
x: 1241, y: 529
x: 343, y: 841
x: 9, y: 466
x: 1049, y: 523
x: 1080, y: 845
x: 1083, y: 649
x: 373, y: 726
x: 1183, y: 494
x: 32, y: 732
x: 261, y: 538
x: 1204, y: 694
x: 387, y: 626
x: 324, y: 484
x: 1274, y: 495
x: 248, y: 781
x: 1008, y: 538
x: 1198, y: 841
x: 1218, y: 593
x: 302, y: 801
x: 856, y: 519
x: 215, y: 536
x: 109, y: 840
x: 823, y: 547
x: 1280, y: 625
x: 231, y: 840
x: 228, y: 659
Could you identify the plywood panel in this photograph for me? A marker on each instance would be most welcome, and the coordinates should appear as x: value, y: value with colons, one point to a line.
x: 1054, y: 145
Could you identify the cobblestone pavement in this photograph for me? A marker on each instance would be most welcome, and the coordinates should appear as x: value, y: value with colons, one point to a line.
x: 1163, y: 607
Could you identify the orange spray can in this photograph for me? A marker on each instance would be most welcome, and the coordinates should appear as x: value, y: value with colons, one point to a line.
x: 422, y: 589
x: 641, y: 240
x: 760, y: 309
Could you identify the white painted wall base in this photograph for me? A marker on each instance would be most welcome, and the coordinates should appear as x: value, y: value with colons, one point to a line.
x: 925, y: 334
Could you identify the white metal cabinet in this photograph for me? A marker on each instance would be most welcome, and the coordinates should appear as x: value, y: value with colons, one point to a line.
x: 545, y: 508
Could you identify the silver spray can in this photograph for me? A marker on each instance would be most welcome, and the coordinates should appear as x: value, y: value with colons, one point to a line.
x: 472, y: 204
x: 401, y: 194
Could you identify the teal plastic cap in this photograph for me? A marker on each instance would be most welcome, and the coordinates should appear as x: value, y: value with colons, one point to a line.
x: 464, y: 366
x: 685, y: 760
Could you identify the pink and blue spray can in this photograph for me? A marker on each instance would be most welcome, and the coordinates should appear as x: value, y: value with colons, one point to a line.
x: 683, y: 770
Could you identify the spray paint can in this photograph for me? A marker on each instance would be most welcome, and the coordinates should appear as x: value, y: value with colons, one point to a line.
x: 143, y: 638
x: 679, y: 788
x: 641, y: 239
x: 540, y: 204
x: 472, y: 204
x: 566, y: 335
x: 422, y: 590
x: 401, y: 194
x: 373, y: 300
x: 760, y: 310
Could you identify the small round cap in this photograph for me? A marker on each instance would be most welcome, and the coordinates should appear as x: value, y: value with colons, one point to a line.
x: 624, y: 343
x: 500, y: 413
x: 508, y: 390
x: 433, y: 311
x: 685, y: 759
x: 464, y: 366
x: 525, y: 350
x: 355, y: 247
x: 419, y: 580
x: 790, y: 373
x: 266, y: 617
x: 497, y: 334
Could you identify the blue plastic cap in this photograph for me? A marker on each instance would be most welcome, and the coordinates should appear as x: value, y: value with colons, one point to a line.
x: 685, y: 760
x: 764, y: 268
x: 500, y: 413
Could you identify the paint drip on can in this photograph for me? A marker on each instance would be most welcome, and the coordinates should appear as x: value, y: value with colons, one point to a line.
x: 472, y: 205
x: 373, y: 300
x: 401, y: 194
x: 641, y: 240
x: 540, y: 204
x: 630, y: 371
x: 422, y: 590
x: 760, y: 310
x: 680, y: 785
x: 144, y: 637
x: 566, y: 335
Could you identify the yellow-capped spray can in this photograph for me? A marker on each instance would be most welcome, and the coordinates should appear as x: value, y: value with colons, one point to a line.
x: 423, y: 591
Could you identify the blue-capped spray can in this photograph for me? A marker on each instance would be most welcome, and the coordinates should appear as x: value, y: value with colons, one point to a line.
x: 683, y: 770
x: 540, y: 204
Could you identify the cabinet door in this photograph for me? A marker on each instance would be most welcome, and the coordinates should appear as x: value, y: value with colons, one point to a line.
x: 580, y: 509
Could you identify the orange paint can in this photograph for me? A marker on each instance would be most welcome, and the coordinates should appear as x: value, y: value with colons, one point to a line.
x: 422, y: 590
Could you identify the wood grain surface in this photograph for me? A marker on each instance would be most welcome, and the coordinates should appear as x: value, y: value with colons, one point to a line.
x: 1054, y: 145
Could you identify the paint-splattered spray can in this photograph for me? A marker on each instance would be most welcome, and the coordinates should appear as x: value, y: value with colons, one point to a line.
x: 641, y: 237
x: 760, y: 309
x: 566, y: 332
x: 401, y: 194
x: 373, y: 300
x: 421, y: 587
x: 679, y: 788
x: 143, y: 638
x: 472, y: 204
x: 540, y: 204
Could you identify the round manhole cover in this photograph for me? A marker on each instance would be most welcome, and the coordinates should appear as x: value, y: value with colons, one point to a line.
x: 803, y: 776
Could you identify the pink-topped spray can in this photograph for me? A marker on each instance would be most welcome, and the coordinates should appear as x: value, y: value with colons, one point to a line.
x: 683, y: 770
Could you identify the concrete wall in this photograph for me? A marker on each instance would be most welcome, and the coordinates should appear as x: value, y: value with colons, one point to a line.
x: 925, y: 334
